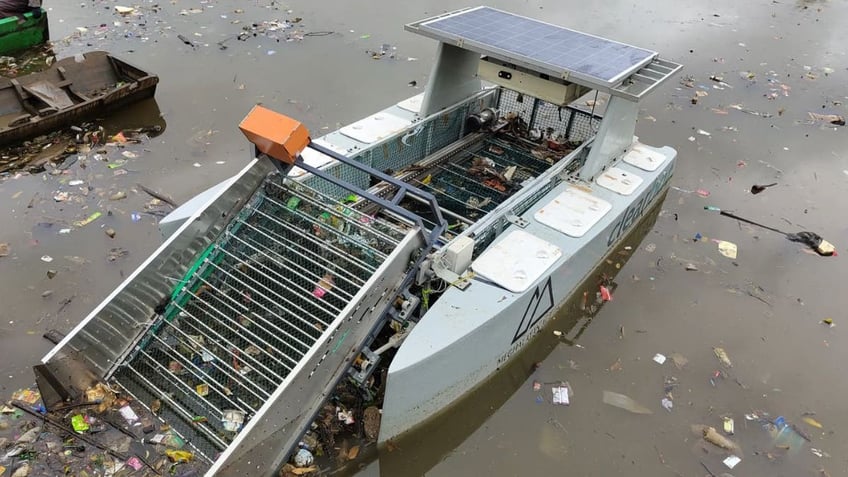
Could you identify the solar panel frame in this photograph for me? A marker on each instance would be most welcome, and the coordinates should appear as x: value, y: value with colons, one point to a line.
x: 543, y: 47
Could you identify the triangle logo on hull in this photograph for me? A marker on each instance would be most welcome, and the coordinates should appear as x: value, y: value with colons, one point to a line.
x: 541, y: 302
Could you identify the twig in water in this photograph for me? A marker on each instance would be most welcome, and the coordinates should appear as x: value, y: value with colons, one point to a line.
x: 157, y: 195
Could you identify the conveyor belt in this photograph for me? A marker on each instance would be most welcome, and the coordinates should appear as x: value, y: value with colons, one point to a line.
x: 253, y: 306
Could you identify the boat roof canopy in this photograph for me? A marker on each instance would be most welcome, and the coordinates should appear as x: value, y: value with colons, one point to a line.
x: 550, y: 51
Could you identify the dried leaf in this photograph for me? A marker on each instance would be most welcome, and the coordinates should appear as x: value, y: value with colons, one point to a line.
x: 304, y: 470
x: 353, y: 452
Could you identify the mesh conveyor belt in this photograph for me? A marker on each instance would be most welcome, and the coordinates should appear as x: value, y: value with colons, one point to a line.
x: 471, y: 196
x: 253, y: 307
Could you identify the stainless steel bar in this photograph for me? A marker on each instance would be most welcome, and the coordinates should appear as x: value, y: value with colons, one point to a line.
x: 505, y: 162
x: 277, y: 316
x: 340, y: 234
x: 207, y: 379
x: 263, y: 319
x: 166, y: 375
x: 231, y: 372
x: 335, y: 310
x: 330, y: 207
x: 188, y: 442
x: 225, y: 323
x: 520, y: 150
x: 258, y: 303
x: 438, y: 192
x: 258, y: 262
x: 281, y: 261
x: 178, y: 408
x: 463, y: 174
x: 247, y: 287
x: 321, y: 244
x: 394, y: 226
x: 303, y: 252
x: 444, y: 210
x: 315, y: 222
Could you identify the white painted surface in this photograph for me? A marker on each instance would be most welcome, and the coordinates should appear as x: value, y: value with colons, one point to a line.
x: 375, y: 127
x: 517, y: 261
x: 645, y: 157
x: 413, y: 104
x: 619, y: 180
x: 573, y: 212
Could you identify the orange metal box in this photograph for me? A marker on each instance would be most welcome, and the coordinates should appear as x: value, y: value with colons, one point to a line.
x: 277, y: 135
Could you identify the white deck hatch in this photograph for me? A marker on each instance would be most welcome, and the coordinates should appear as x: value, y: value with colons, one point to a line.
x: 644, y: 158
x: 517, y: 261
x: 375, y: 127
x: 619, y: 180
x: 413, y: 104
x: 573, y: 212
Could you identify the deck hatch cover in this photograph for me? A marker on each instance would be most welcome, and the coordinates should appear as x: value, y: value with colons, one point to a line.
x: 413, y: 104
x: 517, y: 261
x: 375, y: 127
x: 551, y: 48
x: 620, y: 181
x: 644, y: 158
x: 573, y: 212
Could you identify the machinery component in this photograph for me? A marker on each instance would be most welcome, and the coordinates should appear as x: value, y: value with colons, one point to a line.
x: 481, y: 120
x: 457, y: 255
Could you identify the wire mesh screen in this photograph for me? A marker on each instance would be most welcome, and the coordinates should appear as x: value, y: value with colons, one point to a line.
x: 252, y: 306
x: 514, y: 102
x: 582, y: 125
x: 407, y: 148
x: 564, y: 122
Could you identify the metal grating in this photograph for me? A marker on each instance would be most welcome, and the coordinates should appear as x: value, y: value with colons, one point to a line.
x: 405, y: 149
x: 252, y: 306
x: 562, y: 51
x: 471, y: 183
x: 566, y: 123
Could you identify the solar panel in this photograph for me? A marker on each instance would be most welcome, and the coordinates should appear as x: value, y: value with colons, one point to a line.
x: 562, y: 51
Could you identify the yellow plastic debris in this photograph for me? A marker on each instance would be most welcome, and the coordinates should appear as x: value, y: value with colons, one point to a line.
x: 178, y: 456
x: 813, y: 422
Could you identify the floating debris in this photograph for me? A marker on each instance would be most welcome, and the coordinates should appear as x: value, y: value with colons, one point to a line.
x: 624, y: 402
x: 711, y: 435
x: 679, y: 360
x: 828, y: 118
x: 721, y: 354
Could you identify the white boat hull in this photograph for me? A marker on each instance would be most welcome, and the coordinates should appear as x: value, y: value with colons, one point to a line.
x: 468, y: 335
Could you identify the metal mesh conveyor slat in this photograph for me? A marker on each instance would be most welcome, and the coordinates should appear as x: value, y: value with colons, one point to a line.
x: 253, y: 305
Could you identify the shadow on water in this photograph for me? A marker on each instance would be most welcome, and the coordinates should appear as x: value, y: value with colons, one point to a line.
x: 144, y: 115
x: 419, y: 450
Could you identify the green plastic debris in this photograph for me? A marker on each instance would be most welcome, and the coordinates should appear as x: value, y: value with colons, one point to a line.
x: 91, y: 218
x: 351, y: 198
x: 79, y: 424
x: 293, y: 203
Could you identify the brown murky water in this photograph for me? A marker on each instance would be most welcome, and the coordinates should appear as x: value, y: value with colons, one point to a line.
x: 779, y: 59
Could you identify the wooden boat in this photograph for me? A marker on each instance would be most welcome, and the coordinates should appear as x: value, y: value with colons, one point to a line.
x: 71, y: 90
x: 16, y: 35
